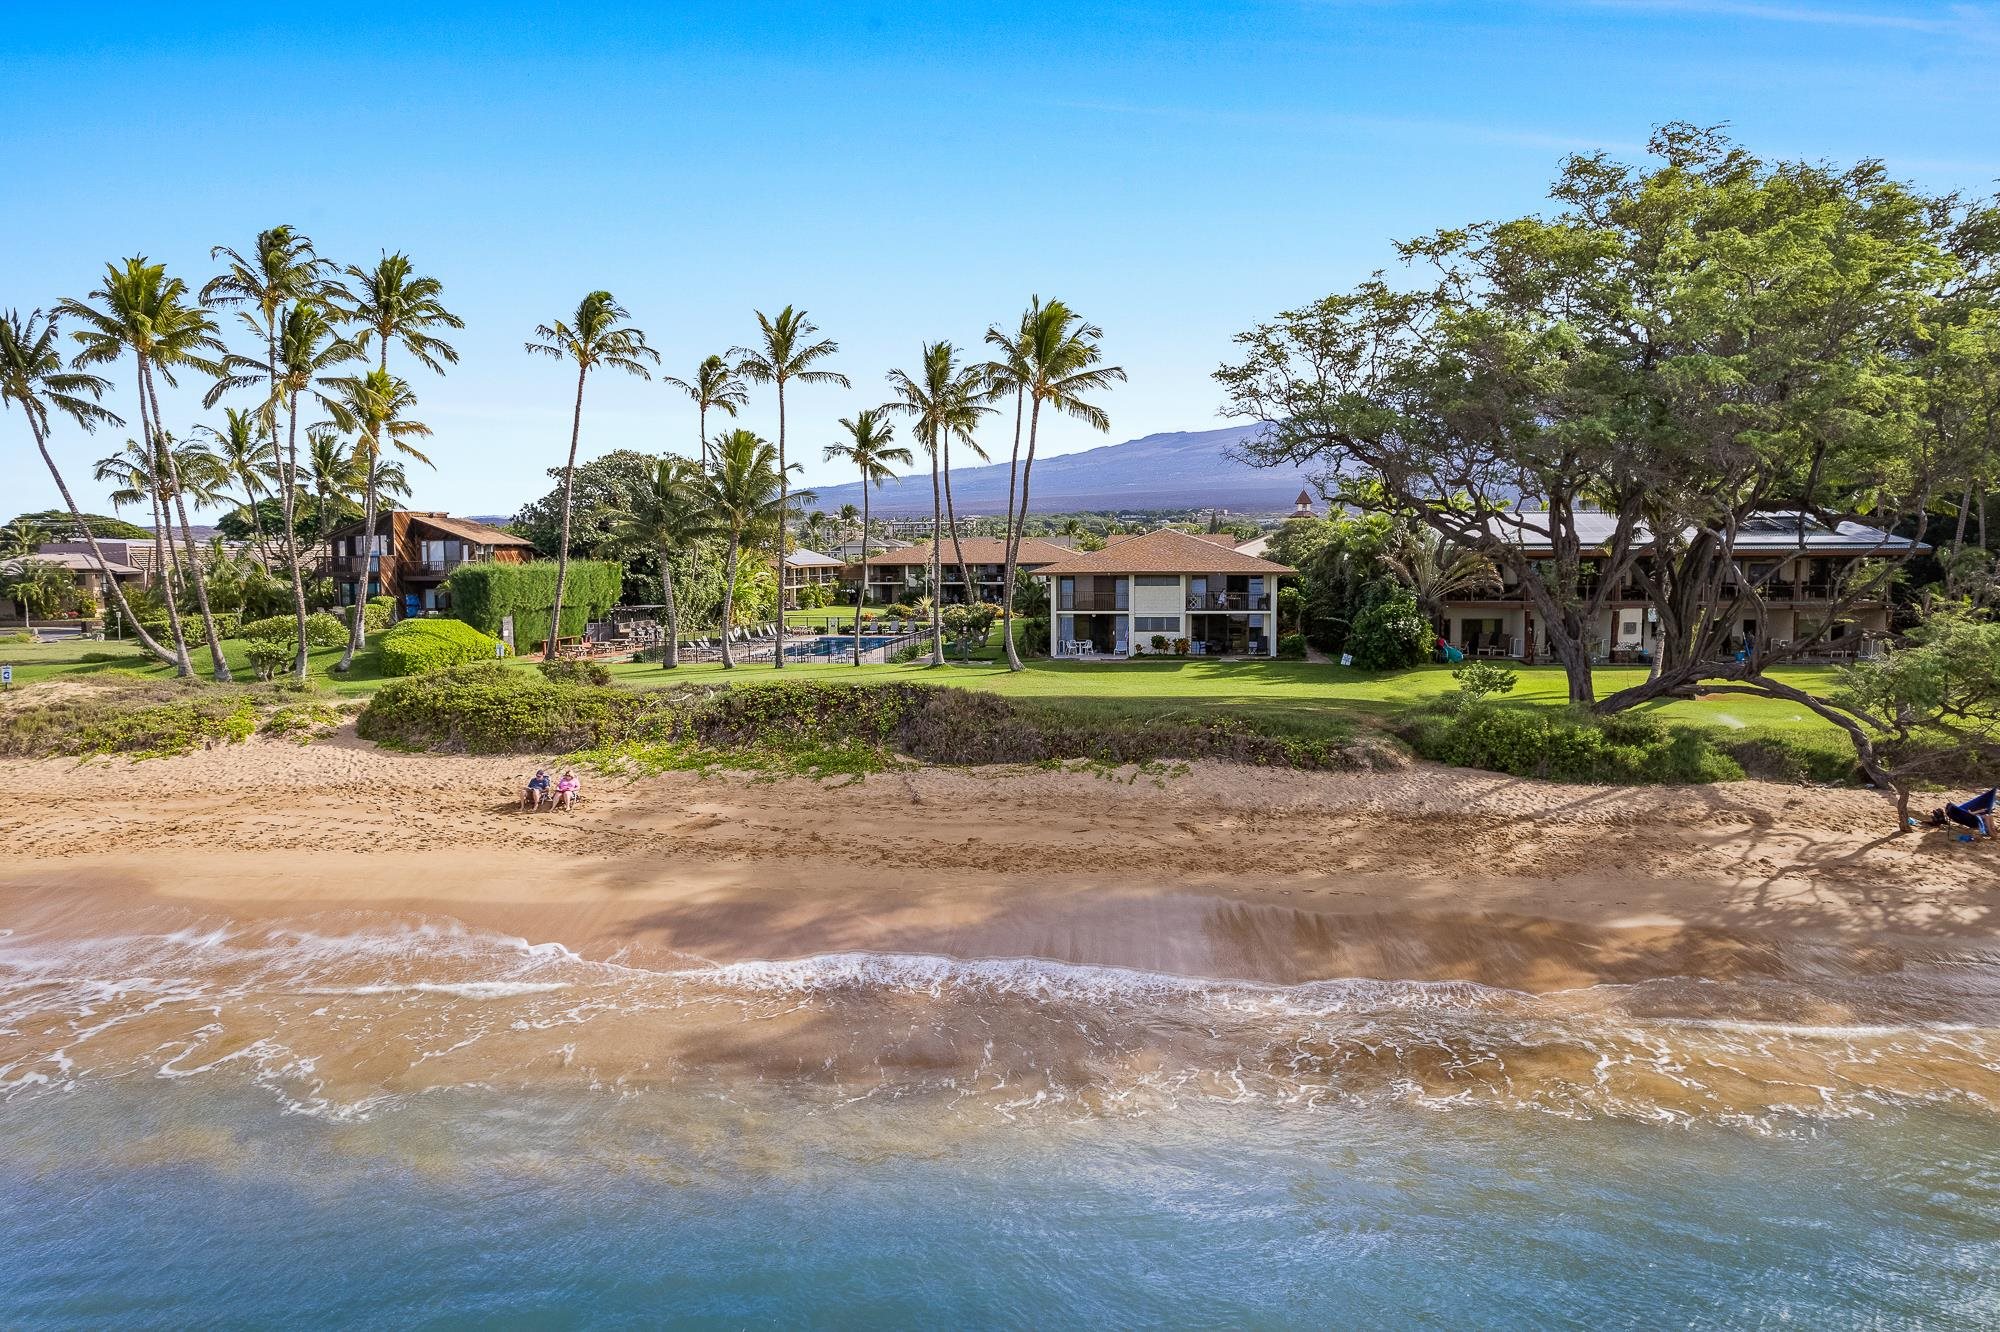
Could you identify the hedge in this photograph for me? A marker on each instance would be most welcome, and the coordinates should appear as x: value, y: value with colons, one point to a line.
x: 226, y: 625
x: 484, y: 594
x: 416, y: 646
x: 322, y: 629
x: 1569, y: 746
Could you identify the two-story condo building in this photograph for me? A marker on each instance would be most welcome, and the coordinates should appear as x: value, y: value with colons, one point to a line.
x: 1168, y: 585
x: 412, y: 554
x: 898, y: 575
x: 1798, y: 576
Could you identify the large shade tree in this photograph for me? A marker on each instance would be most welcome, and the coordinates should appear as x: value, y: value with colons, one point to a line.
x: 595, y: 337
x: 786, y: 353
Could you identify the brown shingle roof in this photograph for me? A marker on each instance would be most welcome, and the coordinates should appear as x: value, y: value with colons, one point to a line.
x: 465, y: 529
x: 1164, y: 552
x: 977, y: 550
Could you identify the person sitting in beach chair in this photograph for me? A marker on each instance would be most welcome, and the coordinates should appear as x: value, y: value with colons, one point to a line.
x: 1976, y: 814
x: 537, y: 793
x: 568, y: 790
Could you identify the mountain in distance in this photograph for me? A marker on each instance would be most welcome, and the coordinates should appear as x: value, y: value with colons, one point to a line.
x: 1184, y: 469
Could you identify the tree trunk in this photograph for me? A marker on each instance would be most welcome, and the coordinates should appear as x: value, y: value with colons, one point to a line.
x: 221, y: 664
x: 562, y: 551
x: 162, y: 546
x: 1007, y: 539
x: 146, y: 640
x: 957, y: 549
x: 861, y: 594
x: 357, y: 626
x: 937, y: 563
x: 1018, y: 529
x: 288, y: 473
x: 729, y: 600
x: 784, y: 526
x: 671, y: 657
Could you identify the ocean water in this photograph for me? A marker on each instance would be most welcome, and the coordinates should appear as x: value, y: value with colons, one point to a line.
x: 387, y: 1122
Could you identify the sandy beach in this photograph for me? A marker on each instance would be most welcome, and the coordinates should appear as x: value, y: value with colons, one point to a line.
x: 1216, y: 871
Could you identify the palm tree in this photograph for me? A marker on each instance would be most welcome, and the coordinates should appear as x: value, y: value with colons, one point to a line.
x: 1008, y: 373
x: 146, y: 313
x: 34, y: 585
x: 32, y: 378
x: 868, y: 448
x: 21, y: 538
x: 1436, y: 571
x: 787, y: 354
x: 715, y: 385
x: 1058, y: 357
x: 282, y: 274
x: 390, y: 302
x: 334, y: 478
x: 148, y: 476
x: 746, y: 497
x: 238, y: 449
x: 308, y: 348
x: 671, y: 513
x: 373, y: 407
x: 849, y: 516
x: 593, y: 339
x: 942, y: 399
x: 965, y: 396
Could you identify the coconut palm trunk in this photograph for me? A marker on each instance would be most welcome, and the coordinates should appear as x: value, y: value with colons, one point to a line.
x: 937, y: 562
x: 562, y: 550
x: 164, y: 560
x: 288, y: 473
x: 957, y: 548
x: 729, y: 600
x: 173, y: 481
x: 861, y: 593
x: 670, y: 658
x: 1007, y: 533
x: 1018, y: 523
x: 784, y: 528
x: 146, y: 640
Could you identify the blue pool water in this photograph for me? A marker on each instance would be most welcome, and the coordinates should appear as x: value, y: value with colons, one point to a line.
x: 833, y: 645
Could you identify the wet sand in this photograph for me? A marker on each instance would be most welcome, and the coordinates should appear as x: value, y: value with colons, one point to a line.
x: 1220, y: 871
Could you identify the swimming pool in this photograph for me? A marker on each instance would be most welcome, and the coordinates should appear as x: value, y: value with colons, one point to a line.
x: 837, y: 645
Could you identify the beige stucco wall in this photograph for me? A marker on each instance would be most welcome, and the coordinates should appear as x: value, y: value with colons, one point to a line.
x: 1160, y: 600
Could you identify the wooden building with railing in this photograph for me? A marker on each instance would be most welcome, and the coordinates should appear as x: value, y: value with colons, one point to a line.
x: 412, y: 554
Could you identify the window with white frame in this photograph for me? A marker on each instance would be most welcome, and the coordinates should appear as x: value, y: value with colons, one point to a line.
x: 1156, y: 624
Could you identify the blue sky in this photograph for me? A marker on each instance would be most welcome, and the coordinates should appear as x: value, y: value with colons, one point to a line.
x: 904, y: 171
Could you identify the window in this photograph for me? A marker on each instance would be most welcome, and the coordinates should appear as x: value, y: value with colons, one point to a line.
x: 1160, y: 580
x: 1156, y: 624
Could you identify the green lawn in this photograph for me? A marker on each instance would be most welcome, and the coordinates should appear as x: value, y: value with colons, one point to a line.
x: 1294, y: 694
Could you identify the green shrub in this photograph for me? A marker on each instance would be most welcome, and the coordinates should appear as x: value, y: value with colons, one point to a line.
x: 488, y: 709
x: 566, y: 671
x: 143, y: 722
x: 268, y: 656
x: 416, y: 646
x: 22, y: 637
x: 1292, y: 647
x: 1562, y: 745
x: 227, y: 625
x: 1478, y: 679
x: 485, y: 594
x: 1390, y: 635
x: 378, y: 614
x: 322, y: 629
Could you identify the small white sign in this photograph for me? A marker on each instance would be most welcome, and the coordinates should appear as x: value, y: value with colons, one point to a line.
x: 6, y: 675
x: 499, y: 650
x: 1347, y: 658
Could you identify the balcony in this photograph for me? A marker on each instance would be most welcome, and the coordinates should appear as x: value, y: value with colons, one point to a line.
x: 1228, y: 601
